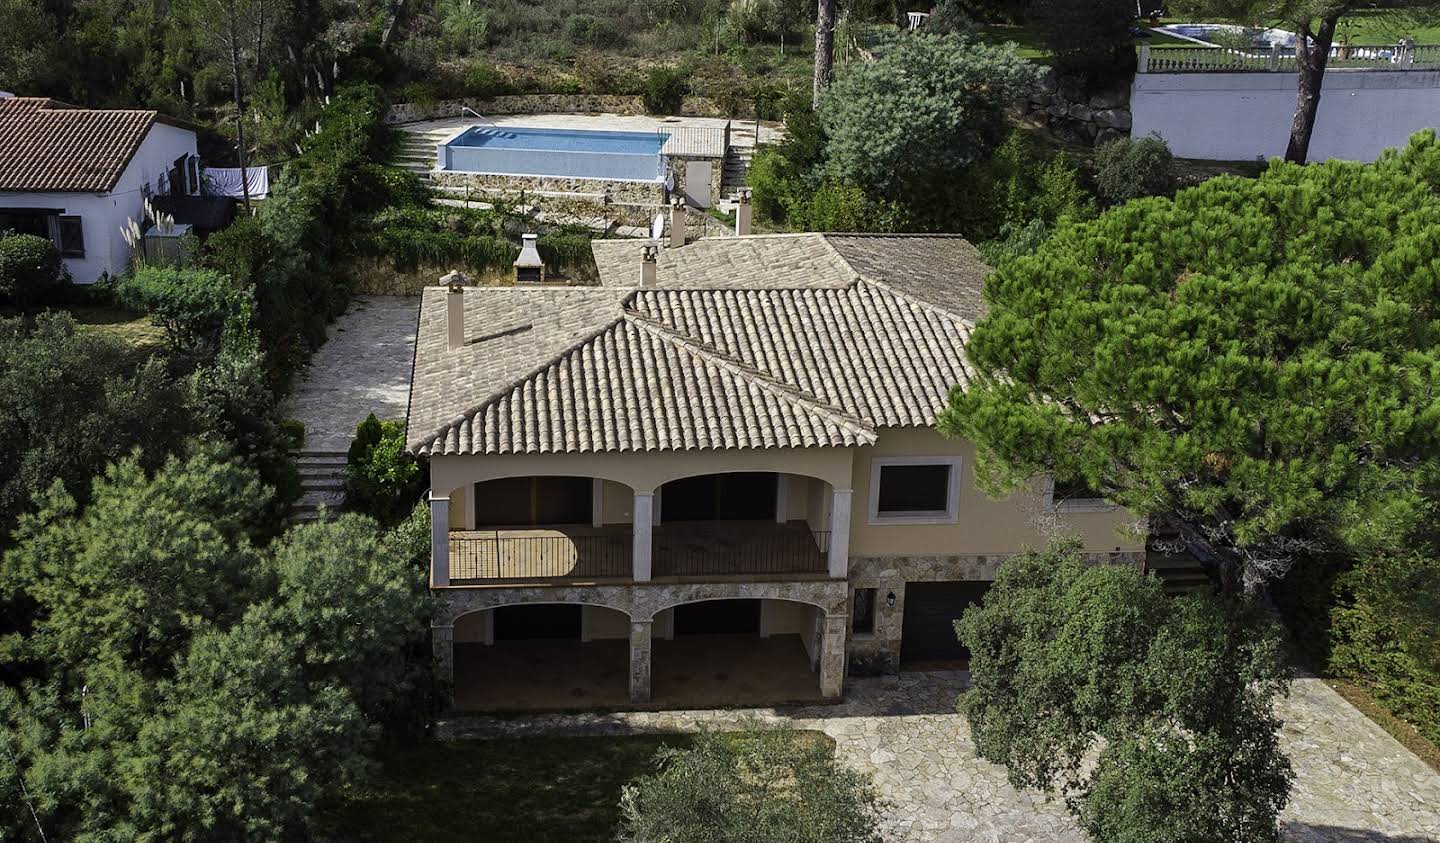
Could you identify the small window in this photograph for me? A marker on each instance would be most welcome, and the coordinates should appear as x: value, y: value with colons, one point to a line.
x: 862, y: 611
x: 914, y: 489
x: 1074, y: 496
x: 72, y: 237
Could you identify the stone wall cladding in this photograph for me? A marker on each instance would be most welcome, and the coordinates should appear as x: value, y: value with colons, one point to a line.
x: 641, y: 601
x: 413, y: 112
x: 879, y: 652
x: 1063, y: 107
x: 650, y: 194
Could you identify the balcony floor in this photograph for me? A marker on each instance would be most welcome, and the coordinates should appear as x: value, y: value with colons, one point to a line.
x: 583, y: 553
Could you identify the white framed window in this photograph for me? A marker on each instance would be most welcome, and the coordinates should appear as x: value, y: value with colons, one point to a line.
x: 914, y: 490
x: 1073, y: 497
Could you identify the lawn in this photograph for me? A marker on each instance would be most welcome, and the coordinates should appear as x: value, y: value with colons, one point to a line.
x: 135, y: 329
x: 1386, y: 26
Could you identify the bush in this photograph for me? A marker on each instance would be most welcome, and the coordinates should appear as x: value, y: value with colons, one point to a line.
x: 190, y: 304
x: 30, y: 268
x: 382, y: 479
x: 590, y: 31
x: 665, y: 90
x: 1129, y: 168
x: 483, y: 81
x: 751, y: 787
x: 1087, y: 37
x: 1151, y: 715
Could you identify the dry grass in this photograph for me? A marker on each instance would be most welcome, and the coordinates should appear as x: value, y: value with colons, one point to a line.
x: 377, y: 277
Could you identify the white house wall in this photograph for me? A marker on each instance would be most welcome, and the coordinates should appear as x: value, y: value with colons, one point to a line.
x: 103, y: 215
x: 1244, y: 116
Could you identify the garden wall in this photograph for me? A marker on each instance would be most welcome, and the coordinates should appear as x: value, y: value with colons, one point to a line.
x: 1063, y: 106
x: 1243, y: 116
x: 410, y: 112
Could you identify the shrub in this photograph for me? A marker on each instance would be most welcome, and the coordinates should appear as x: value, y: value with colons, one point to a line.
x: 951, y: 17
x: 751, y: 787
x: 483, y: 81
x: 590, y: 31
x: 1129, y: 168
x: 1151, y: 715
x: 30, y: 268
x: 665, y: 90
x: 382, y: 479
x: 190, y: 304
x: 1087, y: 37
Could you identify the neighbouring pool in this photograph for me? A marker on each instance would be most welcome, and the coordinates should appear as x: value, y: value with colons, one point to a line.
x: 520, y: 151
x: 1213, y: 34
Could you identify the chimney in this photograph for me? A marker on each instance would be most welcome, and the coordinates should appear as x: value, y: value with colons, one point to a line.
x: 529, y: 269
x: 647, y: 265
x: 742, y: 214
x: 677, y: 222
x: 454, y: 282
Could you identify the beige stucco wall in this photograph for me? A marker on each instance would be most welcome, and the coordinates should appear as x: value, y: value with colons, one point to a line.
x: 984, y: 525
x: 640, y: 472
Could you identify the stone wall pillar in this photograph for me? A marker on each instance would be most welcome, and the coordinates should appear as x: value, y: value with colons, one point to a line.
x: 839, y: 561
x: 439, y: 541
x: 832, y: 656
x: 442, y: 642
x: 643, y: 513
x: 640, y: 660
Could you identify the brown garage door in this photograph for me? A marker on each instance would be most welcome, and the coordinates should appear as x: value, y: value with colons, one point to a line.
x: 931, y: 609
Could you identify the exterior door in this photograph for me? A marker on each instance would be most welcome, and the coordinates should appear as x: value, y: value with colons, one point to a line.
x: 931, y: 609
x: 697, y: 182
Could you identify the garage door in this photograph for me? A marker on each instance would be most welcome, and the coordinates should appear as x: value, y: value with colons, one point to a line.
x: 931, y: 609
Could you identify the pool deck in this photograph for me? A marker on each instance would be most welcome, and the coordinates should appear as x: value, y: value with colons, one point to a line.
x: 742, y: 132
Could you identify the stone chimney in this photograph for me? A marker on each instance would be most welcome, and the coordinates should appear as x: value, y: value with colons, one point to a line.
x: 677, y: 222
x: 454, y: 282
x: 742, y: 214
x: 647, y: 265
x: 529, y: 269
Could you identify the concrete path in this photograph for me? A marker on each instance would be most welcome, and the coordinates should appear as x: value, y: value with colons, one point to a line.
x: 363, y: 367
x: 1353, y: 781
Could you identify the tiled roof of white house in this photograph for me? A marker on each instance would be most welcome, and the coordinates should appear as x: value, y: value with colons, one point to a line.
x: 48, y: 146
x: 812, y: 356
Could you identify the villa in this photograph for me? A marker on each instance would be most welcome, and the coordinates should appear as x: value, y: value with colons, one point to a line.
x: 713, y: 478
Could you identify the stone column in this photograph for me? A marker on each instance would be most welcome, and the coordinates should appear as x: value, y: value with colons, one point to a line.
x: 442, y: 641
x: 439, y: 541
x: 642, y: 513
x: 839, y: 562
x: 832, y: 656
x: 640, y: 660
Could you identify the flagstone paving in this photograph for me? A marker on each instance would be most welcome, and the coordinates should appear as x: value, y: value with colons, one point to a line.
x: 1354, y: 783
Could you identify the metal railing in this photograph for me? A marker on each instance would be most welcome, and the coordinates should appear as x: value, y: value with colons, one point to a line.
x: 494, y: 555
x: 679, y: 551
x: 702, y: 141
x: 1282, y: 60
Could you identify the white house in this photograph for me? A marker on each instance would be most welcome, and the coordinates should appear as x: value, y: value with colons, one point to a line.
x: 77, y: 175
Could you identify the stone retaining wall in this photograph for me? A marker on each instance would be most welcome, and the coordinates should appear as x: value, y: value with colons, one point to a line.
x: 605, y: 190
x: 411, y: 112
x: 1062, y: 106
x: 879, y: 652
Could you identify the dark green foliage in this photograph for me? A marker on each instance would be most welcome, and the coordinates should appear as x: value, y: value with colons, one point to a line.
x: 483, y: 81
x: 1086, y: 37
x: 383, y: 480
x: 751, y: 787
x: 1174, y: 694
x: 1130, y: 168
x: 30, y: 268
x: 72, y: 400
x: 1021, y: 182
x: 906, y: 127
x: 476, y: 240
x: 1376, y: 622
x: 951, y: 17
x: 590, y: 31
x: 190, y: 304
x: 1255, y: 358
x: 226, y: 688
x: 664, y: 90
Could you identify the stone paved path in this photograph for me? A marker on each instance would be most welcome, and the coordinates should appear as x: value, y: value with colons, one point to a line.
x: 363, y: 367
x: 1353, y: 782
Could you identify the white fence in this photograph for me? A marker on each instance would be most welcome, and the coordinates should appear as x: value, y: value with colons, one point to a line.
x: 1280, y: 59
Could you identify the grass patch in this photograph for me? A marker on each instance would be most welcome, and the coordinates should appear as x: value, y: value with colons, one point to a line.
x: 533, y: 790
x: 135, y: 329
x: 1385, y: 26
x: 1401, y: 730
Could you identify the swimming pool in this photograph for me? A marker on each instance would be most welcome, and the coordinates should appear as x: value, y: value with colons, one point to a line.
x: 521, y: 151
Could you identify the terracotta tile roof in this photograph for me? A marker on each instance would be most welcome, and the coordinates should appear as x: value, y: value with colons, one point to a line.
x: 49, y: 146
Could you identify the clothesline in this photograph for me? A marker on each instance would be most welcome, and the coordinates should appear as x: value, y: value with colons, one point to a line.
x: 225, y: 181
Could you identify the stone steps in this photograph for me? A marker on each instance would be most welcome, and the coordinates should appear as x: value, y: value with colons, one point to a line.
x: 322, y: 484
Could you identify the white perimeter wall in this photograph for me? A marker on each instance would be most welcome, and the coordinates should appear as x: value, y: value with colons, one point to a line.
x: 103, y: 215
x: 1243, y: 116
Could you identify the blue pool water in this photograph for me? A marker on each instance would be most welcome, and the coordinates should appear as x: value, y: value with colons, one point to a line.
x: 628, y: 156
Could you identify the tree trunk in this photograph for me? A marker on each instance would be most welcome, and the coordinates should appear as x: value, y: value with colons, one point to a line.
x: 239, y: 113
x: 824, y: 47
x: 1312, y: 53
